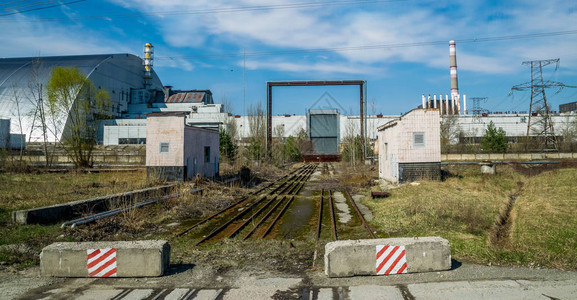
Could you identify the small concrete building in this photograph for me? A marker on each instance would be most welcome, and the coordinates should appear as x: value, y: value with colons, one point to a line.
x: 176, y: 151
x: 410, y: 147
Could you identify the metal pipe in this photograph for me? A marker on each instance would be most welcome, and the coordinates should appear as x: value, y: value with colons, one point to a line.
x: 113, y: 212
x: 501, y: 162
x: 441, y: 103
x: 423, y: 101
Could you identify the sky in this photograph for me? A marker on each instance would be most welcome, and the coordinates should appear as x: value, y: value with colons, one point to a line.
x: 399, y: 47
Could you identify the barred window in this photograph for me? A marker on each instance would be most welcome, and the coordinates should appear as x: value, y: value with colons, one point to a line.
x: 418, y: 139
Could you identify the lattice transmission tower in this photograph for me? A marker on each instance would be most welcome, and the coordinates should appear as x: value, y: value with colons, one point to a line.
x: 477, y: 108
x: 539, y: 122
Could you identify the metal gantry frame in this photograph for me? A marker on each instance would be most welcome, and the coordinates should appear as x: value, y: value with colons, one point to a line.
x: 362, y: 95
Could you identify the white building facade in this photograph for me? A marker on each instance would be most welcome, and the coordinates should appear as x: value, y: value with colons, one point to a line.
x: 410, y: 147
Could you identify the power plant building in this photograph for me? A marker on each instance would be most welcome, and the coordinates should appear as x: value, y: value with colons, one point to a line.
x: 132, y: 84
x: 23, y: 87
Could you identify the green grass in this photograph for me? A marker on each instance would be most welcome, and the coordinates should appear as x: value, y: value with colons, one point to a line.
x: 463, y: 209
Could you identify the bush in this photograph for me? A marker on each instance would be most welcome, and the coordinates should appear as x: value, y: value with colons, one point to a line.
x: 494, y: 140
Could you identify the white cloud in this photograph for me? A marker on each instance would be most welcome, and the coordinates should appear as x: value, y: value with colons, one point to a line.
x: 318, y: 67
x: 379, y: 24
x: 23, y: 36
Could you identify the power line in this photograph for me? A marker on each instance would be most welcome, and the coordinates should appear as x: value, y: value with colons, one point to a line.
x: 217, y: 10
x: 370, y: 47
x: 38, y: 8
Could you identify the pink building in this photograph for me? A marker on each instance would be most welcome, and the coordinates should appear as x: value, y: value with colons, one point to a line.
x: 410, y: 147
x: 176, y: 151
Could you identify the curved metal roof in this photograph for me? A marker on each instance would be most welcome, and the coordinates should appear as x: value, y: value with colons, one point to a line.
x: 20, y: 78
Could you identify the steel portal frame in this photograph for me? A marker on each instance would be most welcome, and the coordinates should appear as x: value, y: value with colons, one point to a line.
x: 270, y: 84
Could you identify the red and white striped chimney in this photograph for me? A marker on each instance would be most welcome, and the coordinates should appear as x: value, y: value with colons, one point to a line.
x: 454, y: 82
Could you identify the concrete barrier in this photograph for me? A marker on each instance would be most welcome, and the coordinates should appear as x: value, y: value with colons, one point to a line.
x: 359, y: 257
x: 66, y: 211
x: 106, y: 259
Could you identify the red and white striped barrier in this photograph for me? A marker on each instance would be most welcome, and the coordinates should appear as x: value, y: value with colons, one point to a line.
x: 101, y: 262
x: 391, y: 260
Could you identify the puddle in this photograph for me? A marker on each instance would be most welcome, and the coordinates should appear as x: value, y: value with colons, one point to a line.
x: 367, y: 214
x: 344, y: 212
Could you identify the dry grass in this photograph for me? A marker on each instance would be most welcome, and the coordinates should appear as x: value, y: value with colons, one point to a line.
x: 30, y: 190
x: 358, y: 176
x: 546, y: 214
x: 23, y: 191
x: 464, y: 208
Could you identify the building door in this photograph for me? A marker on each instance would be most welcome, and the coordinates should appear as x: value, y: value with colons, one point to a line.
x: 189, y: 167
x: 195, y: 170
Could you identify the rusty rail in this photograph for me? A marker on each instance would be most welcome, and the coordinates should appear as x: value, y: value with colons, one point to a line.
x: 264, y: 218
x: 319, y: 225
x: 222, y: 227
x: 267, y: 231
x: 241, y: 200
x: 354, y: 205
x: 333, y: 223
x: 239, y: 228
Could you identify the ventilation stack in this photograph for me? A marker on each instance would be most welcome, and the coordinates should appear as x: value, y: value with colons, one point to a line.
x: 148, y: 58
x: 454, y: 81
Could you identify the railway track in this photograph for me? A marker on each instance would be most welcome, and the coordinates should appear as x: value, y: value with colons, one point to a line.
x: 322, y: 220
x: 254, y: 215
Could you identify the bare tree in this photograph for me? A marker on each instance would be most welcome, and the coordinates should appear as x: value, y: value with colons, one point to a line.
x: 568, y: 133
x: 352, y: 145
x: 257, y: 132
x: 450, y: 131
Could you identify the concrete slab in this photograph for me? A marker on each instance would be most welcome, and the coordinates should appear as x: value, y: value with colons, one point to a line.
x: 376, y: 292
x: 473, y: 290
x: 325, y: 294
x: 133, y: 259
x: 358, y: 257
x: 208, y: 294
x: 178, y: 293
x: 99, y: 294
x: 66, y: 211
x: 138, y: 294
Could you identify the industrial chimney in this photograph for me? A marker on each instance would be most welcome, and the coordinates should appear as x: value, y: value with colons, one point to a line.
x: 148, y: 58
x: 454, y: 81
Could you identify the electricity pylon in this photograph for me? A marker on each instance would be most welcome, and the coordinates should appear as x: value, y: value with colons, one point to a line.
x: 540, y: 123
x: 477, y: 109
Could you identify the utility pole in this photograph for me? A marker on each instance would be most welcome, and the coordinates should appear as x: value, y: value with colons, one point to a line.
x: 539, y: 122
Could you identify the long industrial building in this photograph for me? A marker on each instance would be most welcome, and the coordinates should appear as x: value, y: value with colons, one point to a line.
x: 23, y: 83
x: 133, y: 86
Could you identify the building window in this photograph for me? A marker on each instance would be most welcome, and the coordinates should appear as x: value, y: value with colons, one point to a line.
x: 206, y: 154
x: 418, y: 139
x: 131, y: 141
x: 164, y: 147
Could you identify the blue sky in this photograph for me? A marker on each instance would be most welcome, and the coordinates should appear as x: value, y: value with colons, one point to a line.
x: 401, y: 48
